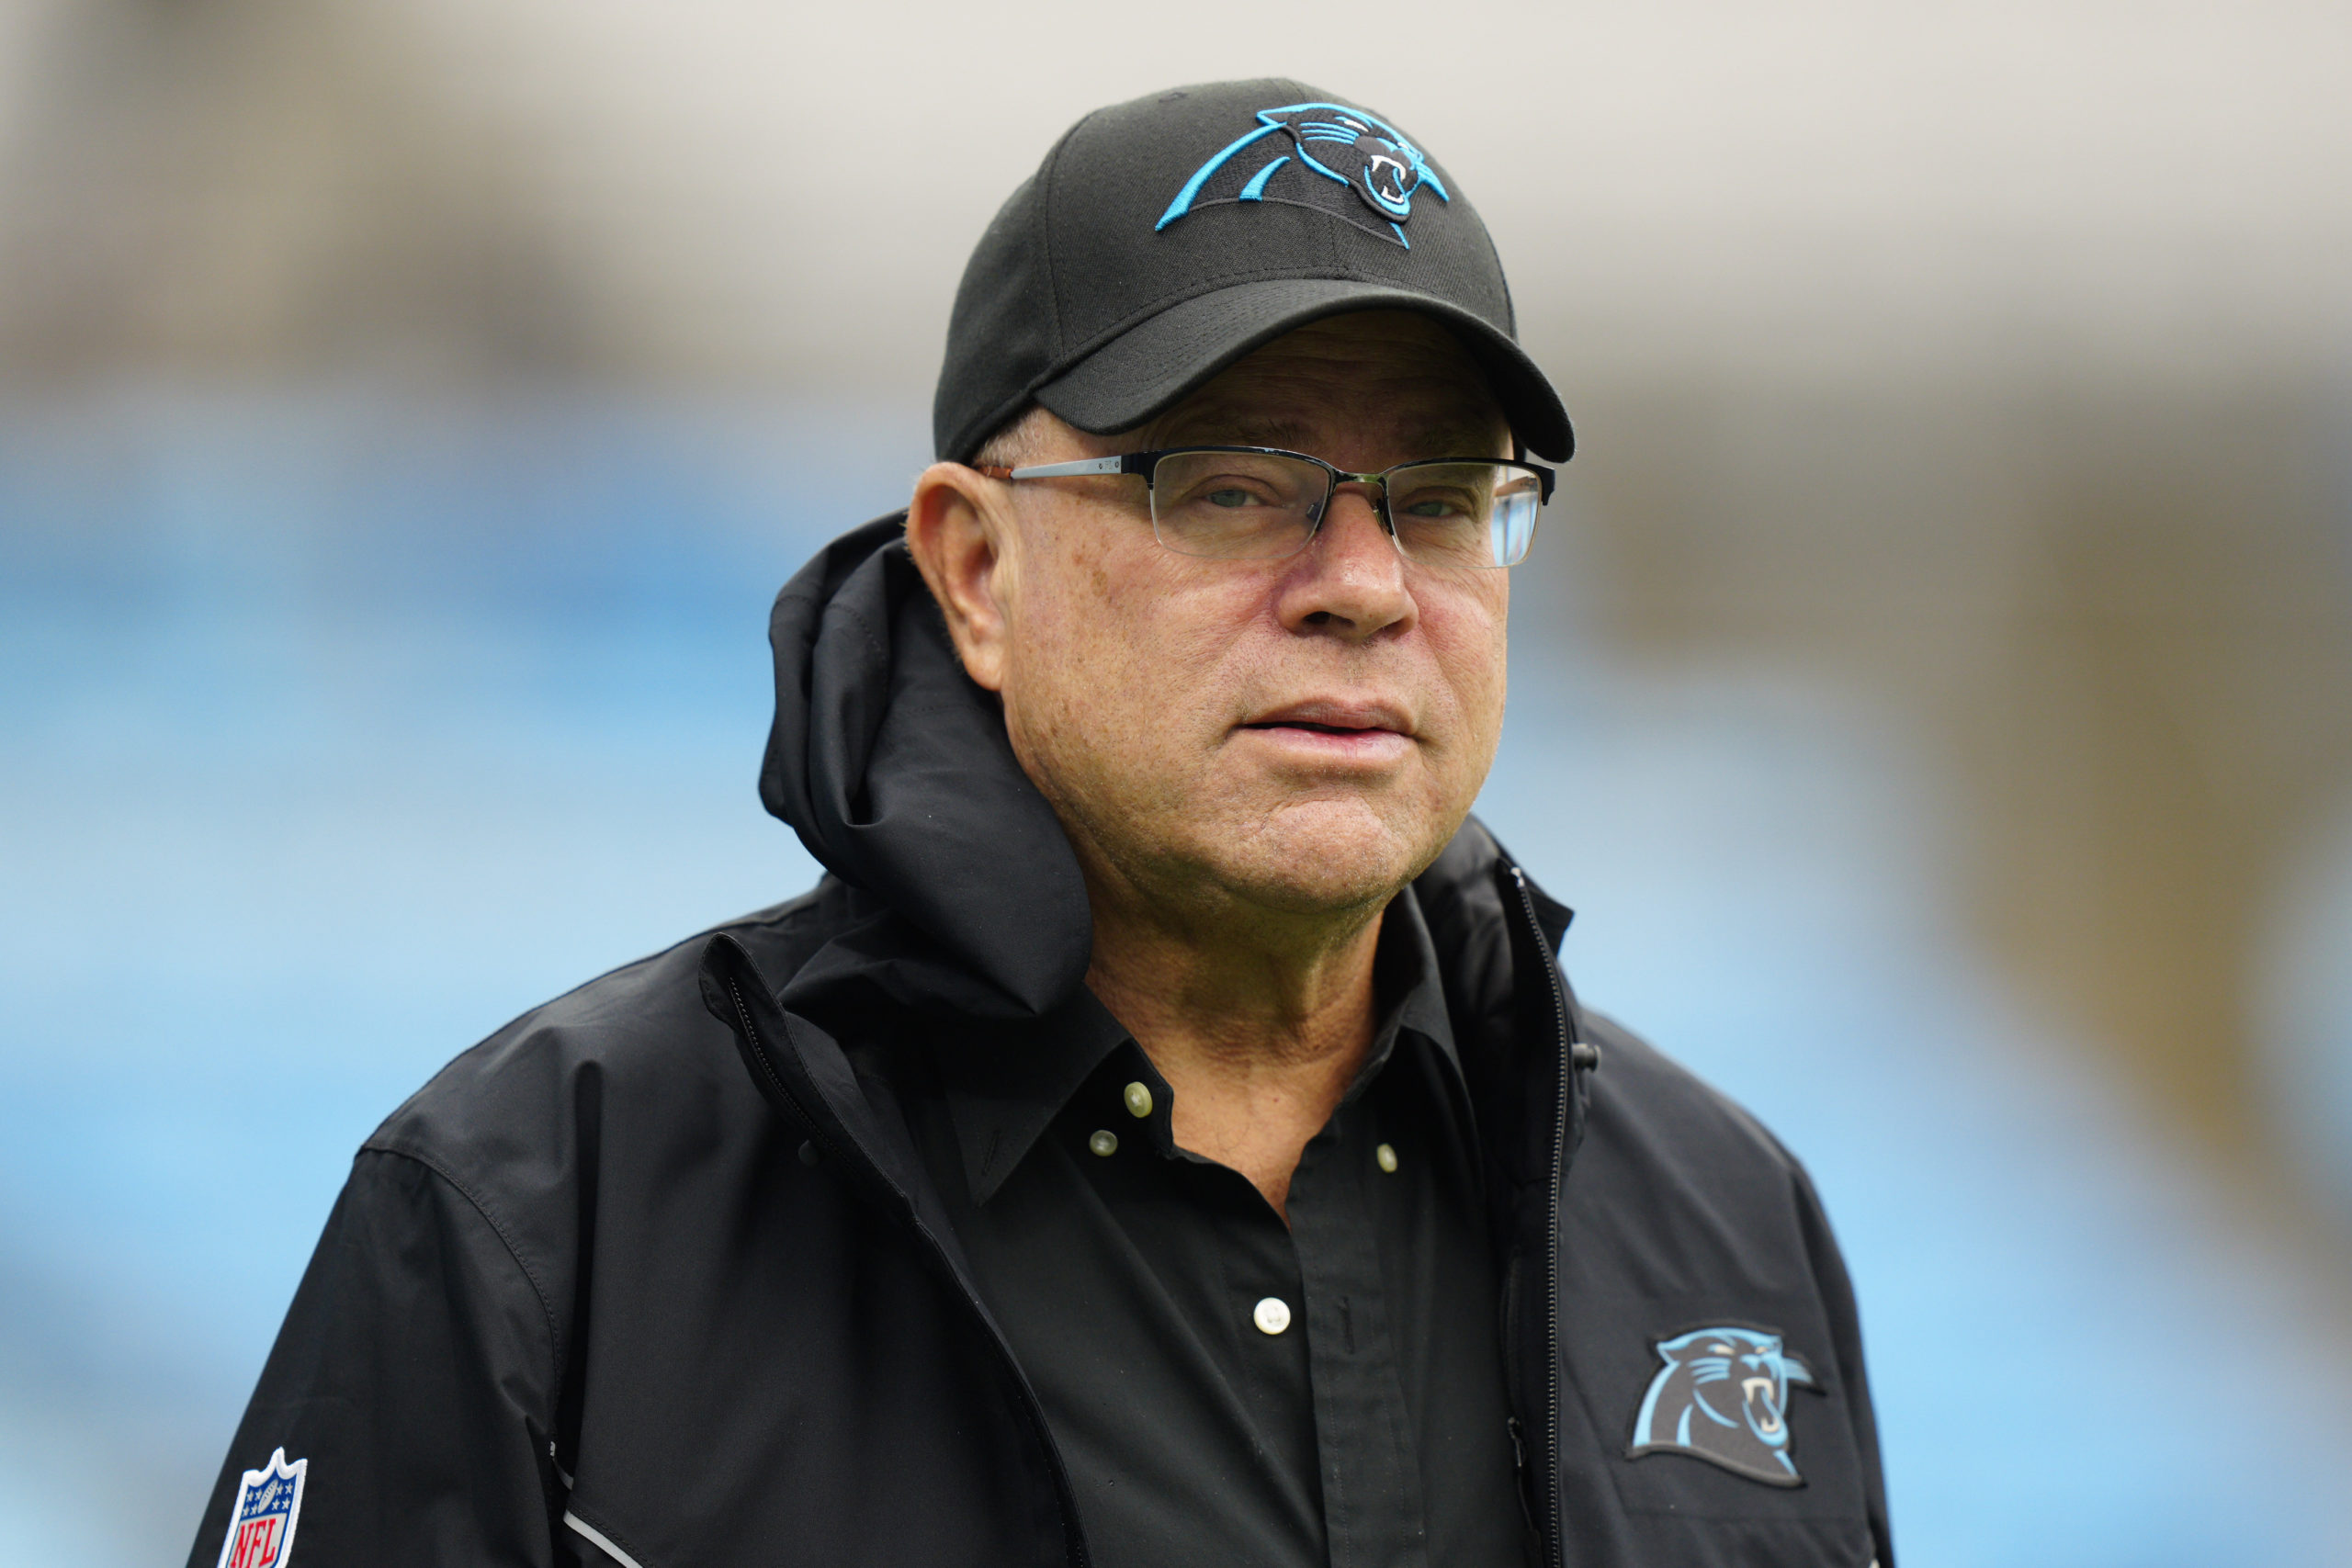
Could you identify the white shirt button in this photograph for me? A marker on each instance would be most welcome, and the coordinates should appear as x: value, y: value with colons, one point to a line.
x: 1384, y: 1157
x: 1139, y: 1098
x: 1105, y: 1142
x: 1272, y: 1315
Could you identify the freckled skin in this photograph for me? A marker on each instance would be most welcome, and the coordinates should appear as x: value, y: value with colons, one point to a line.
x: 1237, y: 873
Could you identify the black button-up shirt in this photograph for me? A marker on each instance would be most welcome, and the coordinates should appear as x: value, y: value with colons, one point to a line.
x: 1226, y: 1389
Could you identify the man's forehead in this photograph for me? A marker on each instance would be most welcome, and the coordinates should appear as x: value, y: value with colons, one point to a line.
x: 1467, y: 432
x: 1406, y: 374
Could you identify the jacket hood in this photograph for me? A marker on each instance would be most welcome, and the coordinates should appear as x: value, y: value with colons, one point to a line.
x: 894, y: 768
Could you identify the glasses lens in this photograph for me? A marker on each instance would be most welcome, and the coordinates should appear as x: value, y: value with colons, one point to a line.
x: 1466, y: 514
x: 1236, y: 505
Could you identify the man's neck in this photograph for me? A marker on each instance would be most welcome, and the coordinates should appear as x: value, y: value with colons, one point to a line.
x: 1259, y: 1038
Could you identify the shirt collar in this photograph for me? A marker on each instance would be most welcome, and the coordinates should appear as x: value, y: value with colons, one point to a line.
x: 1406, y: 968
x: 1003, y: 1092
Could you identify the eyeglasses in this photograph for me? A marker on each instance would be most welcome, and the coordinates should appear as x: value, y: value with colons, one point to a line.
x: 1258, y: 503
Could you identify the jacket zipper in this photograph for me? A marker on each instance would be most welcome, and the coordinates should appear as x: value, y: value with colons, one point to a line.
x: 1036, y: 1414
x: 1560, y: 1553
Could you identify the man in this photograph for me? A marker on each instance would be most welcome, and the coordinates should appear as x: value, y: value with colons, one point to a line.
x: 1165, y: 1136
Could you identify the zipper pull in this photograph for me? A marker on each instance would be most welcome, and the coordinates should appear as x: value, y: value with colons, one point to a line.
x: 1526, y: 1478
x: 1583, y: 1055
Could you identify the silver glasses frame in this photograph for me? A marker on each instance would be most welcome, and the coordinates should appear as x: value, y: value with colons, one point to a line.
x: 1146, y: 464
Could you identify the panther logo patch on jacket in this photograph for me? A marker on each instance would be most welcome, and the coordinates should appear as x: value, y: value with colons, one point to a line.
x: 1333, y: 151
x: 1722, y: 1397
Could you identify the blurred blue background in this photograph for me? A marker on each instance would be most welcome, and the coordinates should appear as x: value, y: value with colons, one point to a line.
x: 1933, y: 690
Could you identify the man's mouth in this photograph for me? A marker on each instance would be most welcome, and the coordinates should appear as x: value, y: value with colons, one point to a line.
x: 1329, y: 715
x: 1336, y: 729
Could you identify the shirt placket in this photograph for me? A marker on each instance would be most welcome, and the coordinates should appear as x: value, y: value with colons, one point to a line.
x: 1373, y: 1506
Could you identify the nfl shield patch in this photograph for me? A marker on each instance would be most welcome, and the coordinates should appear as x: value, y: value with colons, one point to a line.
x: 261, y: 1521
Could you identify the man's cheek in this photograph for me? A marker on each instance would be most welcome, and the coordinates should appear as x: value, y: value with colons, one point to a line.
x: 1471, y: 661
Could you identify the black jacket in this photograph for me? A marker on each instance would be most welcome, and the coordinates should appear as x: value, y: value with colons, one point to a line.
x: 653, y: 1274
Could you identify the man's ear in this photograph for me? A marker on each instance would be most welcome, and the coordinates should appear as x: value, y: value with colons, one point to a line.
x: 961, y: 543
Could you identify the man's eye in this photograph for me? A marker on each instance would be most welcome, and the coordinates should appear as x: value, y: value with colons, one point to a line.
x: 1435, y: 506
x: 1230, y: 496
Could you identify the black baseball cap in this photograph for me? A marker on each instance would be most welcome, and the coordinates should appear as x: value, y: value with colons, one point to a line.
x: 1165, y: 238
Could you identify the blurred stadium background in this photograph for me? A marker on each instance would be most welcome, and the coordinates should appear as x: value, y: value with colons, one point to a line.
x: 1935, y: 691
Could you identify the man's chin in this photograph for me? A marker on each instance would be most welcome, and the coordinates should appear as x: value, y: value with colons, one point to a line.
x: 1321, y: 857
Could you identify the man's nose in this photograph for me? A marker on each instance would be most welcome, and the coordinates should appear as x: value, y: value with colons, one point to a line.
x: 1350, y: 579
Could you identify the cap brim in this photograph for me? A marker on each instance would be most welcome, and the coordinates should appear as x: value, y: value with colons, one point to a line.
x: 1156, y: 363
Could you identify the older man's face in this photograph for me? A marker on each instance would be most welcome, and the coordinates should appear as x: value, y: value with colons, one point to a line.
x: 1299, y: 735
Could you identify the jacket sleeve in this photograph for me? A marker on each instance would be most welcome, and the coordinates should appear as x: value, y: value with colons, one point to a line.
x: 413, y: 1378
x: 1845, y: 1334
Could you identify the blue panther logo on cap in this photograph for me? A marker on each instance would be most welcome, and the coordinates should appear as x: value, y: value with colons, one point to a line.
x: 1328, y: 142
x: 1722, y: 1397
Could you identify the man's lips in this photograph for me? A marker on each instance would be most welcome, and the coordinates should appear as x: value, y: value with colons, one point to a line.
x: 1368, y: 730
x: 1334, y: 715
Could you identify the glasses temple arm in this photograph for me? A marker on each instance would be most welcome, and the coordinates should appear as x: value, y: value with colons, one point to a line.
x: 1127, y: 463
